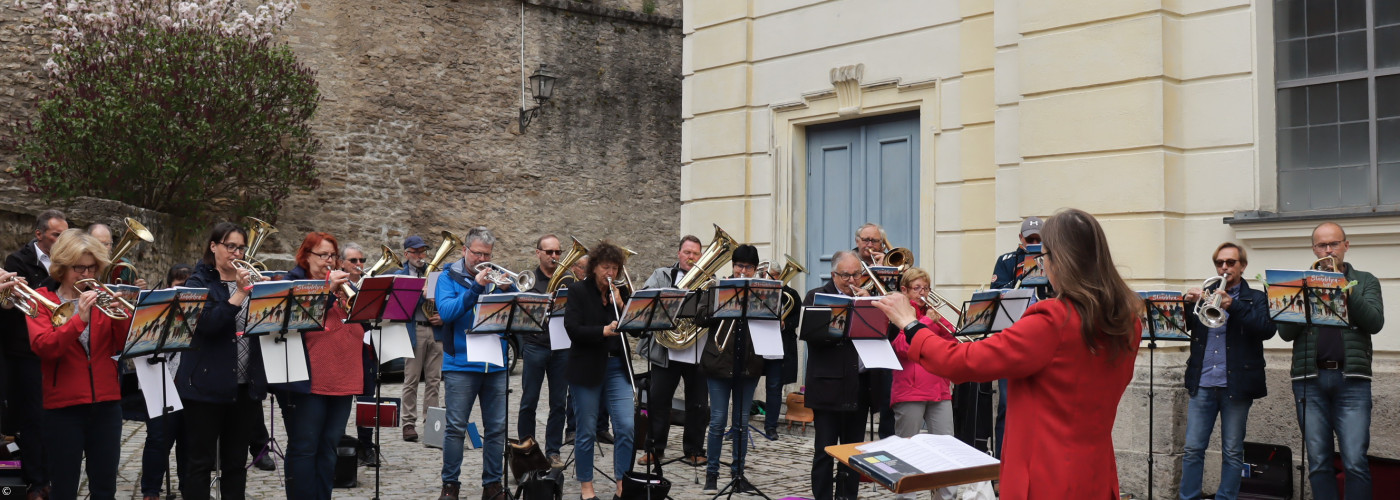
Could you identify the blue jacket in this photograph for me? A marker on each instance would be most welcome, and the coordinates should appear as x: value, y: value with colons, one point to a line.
x: 1006, y: 268
x: 456, y: 302
x: 418, y: 313
x: 209, y: 372
x: 1248, y: 326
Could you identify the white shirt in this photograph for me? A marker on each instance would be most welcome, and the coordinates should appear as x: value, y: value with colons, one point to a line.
x: 43, y: 257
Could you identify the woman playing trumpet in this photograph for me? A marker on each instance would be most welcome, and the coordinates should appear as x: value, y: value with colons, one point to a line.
x: 81, y: 385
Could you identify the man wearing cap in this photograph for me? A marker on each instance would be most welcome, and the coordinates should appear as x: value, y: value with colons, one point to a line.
x: 426, y: 363
x: 541, y: 362
x: 1008, y: 267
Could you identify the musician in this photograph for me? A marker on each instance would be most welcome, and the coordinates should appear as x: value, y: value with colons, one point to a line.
x: 352, y: 261
x: 103, y: 233
x: 22, y: 374
x: 601, y: 435
x: 839, y: 392
x: 598, y: 365
x: 466, y: 381
x: 221, y: 380
x: 669, y: 368
x: 426, y: 363
x: 177, y: 275
x: 1224, y: 374
x: 727, y: 380
x: 919, y: 398
x: 870, y: 244
x: 81, y: 387
x: 1332, y: 375
x: 1004, y: 275
x: 542, y: 362
x: 1054, y: 360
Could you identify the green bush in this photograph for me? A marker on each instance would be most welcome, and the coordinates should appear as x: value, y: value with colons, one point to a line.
x: 183, y: 121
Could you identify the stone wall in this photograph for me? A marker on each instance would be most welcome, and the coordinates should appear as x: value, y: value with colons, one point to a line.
x: 419, y: 118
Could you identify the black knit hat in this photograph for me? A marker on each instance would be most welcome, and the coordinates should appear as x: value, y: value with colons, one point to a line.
x: 746, y: 254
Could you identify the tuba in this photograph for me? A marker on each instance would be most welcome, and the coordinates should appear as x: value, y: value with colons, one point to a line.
x: 134, y: 231
x: 719, y: 252
x: 564, y: 262
x: 29, y: 301
x: 1208, y: 306
x: 108, y: 302
x: 450, y: 242
x: 257, y: 232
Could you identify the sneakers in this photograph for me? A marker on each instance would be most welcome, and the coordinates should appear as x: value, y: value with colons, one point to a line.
x: 450, y: 491
x: 555, y: 462
x: 409, y: 433
x: 711, y: 484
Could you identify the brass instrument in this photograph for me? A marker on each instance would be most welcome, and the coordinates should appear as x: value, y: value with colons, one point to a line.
x: 450, y: 243
x: 720, y: 251
x: 790, y: 270
x: 257, y: 232
x: 565, y: 262
x: 875, y: 286
x: 254, y: 274
x: 933, y: 301
x: 29, y: 301
x: 1326, y: 263
x: 108, y: 302
x: 626, y: 280
x: 504, y: 277
x: 1208, y: 305
x: 134, y: 231
x: 387, y: 260
x: 897, y: 257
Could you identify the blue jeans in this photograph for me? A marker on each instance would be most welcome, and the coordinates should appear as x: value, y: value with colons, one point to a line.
x: 720, y: 390
x: 616, y: 392
x: 539, y: 362
x: 315, y: 424
x: 461, y: 390
x: 161, y: 434
x: 773, y: 387
x: 1200, y: 420
x: 93, y: 430
x: 1332, y: 403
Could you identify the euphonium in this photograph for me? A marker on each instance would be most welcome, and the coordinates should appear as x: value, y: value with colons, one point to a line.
x: 565, y: 262
x: 134, y: 231
x: 108, y: 302
x: 450, y: 243
x: 720, y: 251
x: 387, y: 260
x: 29, y: 301
x: 1208, y: 305
x: 257, y: 232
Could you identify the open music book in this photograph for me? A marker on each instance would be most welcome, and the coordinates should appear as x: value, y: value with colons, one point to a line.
x: 922, y: 462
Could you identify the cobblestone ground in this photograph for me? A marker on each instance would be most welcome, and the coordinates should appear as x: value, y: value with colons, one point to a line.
x: 412, y: 470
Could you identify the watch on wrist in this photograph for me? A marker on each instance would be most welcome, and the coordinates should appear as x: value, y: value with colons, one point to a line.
x: 911, y: 325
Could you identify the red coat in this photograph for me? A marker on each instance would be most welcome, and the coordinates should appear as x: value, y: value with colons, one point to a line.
x: 1061, y: 401
x: 71, y: 376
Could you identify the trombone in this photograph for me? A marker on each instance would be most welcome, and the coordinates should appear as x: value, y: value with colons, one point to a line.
x: 897, y: 257
x: 29, y: 301
x: 108, y: 301
x: 134, y: 231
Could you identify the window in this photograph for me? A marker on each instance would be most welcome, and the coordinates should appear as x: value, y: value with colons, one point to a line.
x: 1338, y: 95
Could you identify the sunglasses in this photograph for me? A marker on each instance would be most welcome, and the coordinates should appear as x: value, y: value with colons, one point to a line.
x: 1226, y: 262
x: 357, y: 261
x: 550, y: 252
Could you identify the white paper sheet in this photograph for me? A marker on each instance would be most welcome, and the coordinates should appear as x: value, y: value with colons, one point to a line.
x: 875, y: 353
x: 1013, y: 305
x: 430, y: 288
x: 485, y: 348
x: 767, y: 337
x: 690, y: 354
x: 148, y: 376
x: 558, y: 338
x: 931, y: 452
x: 390, y: 343
x: 284, y: 361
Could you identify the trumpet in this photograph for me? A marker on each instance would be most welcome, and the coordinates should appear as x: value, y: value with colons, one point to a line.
x: 504, y: 277
x: 29, y: 301
x: 108, y: 302
x: 1208, y: 306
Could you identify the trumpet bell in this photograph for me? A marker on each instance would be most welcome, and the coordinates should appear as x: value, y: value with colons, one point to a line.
x: 576, y: 252
x: 526, y: 280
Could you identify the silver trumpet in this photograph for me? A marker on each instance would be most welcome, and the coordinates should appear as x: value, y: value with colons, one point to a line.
x: 1208, y: 306
x: 504, y: 277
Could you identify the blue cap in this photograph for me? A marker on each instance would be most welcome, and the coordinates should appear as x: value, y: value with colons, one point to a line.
x: 414, y: 242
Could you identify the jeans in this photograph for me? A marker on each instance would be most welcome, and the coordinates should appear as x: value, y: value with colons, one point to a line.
x: 161, y: 433
x: 720, y: 390
x: 461, y: 390
x: 571, y: 408
x: 1200, y: 420
x: 425, y: 365
x: 1332, y: 403
x: 697, y: 396
x: 219, y: 431
x: 94, y: 430
x: 773, y: 389
x: 315, y: 424
x: 616, y: 393
x: 539, y: 362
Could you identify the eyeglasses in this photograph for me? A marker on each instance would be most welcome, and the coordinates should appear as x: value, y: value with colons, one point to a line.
x: 849, y: 276
x: 324, y: 256
x: 1226, y: 262
x: 232, y: 248
x: 481, y: 255
x: 1325, y: 246
x: 416, y: 250
x: 84, y: 269
x: 870, y: 241
x: 550, y: 252
x: 357, y: 261
x: 919, y: 289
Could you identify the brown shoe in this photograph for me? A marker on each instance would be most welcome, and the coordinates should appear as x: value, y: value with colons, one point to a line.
x: 409, y: 434
x: 493, y: 491
x: 646, y: 459
x: 696, y: 460
x: 450, y: 491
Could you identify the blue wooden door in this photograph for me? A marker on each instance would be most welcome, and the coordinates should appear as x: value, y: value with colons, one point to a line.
x: 861, y: 171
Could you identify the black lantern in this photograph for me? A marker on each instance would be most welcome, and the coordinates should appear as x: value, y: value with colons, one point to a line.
x: 541, y: 88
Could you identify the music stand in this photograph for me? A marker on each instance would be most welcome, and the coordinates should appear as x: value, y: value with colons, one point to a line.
x: 170, y: 315
x: 741, y: 300
x: 272, y: 306
x: 507, y: 314
x: 984, y: 314
x: 1174, y: 318
x: 384, y: 298
x: 649, y: 310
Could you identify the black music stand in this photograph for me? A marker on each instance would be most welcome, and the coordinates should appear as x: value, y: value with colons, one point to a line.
x: 1175, y: 321
x: 997, y: 310
x: 507, y: 314
x: 649, y: 311
x: 176, y: 314
x: 380, y: 299
x: 741, y: 300
x: 277, y: 303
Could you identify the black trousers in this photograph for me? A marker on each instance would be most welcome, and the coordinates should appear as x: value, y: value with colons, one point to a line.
x: 219, y: 431
x: 697, y: 407
x: 93, y: 431
x: 25, y: 393
x: 832, y: 428
x: 972, y: 414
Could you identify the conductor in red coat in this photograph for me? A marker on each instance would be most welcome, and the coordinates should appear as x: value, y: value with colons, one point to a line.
x: 1068, y: 360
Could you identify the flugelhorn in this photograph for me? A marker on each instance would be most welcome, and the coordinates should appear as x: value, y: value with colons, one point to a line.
x: 1208, y: 305
x: 29, y: 301
x: 135, y: 231
x: 720, y: 251
x: 257, y: 232
x: 564, y: 262
x: 108, y: 302
x: 504, y: 277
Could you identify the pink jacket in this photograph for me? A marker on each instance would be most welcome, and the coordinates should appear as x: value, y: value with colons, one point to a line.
x: 914, y: 383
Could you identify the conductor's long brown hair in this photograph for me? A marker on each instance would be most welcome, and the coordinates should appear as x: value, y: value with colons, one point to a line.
x: 1086, y: 278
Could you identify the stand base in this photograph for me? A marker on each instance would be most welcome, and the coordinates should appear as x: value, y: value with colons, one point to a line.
x: 729, y: 490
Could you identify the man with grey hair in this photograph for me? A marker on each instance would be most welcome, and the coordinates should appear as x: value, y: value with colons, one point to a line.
x: 870, y: 243
x: 423, y: 332
x: 352, y: 260
x: 466, y: 380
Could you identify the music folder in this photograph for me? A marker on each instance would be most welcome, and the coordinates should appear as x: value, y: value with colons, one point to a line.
x: 516, y: 312
x: 164, y: 321
x: 652, y: 309
x: 387, y: 298
x: 1164, y: 318
x: 919, y: 463
x: 1307, y: 297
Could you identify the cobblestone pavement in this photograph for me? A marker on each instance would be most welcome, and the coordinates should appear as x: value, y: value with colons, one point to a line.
x: 412, y: 470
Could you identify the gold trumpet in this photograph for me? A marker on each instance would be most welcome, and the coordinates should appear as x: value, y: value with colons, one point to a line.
x: 134, y: 231
x: 29, y: 301
x: 108, y: 301
x: 257, y: 232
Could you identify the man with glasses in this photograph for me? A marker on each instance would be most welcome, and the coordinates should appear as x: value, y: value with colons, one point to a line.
x: 1224, y: 374
x: 1332, y: 375
x: 870, y: 244
x: 426, y: 363
x: 542, y: 362
x: 352, y: 260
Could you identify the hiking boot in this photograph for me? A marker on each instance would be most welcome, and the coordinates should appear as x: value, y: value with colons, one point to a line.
x: 450, y: 491
x: 493, y: 491
x: 409, y: 433
x: 711, y: 484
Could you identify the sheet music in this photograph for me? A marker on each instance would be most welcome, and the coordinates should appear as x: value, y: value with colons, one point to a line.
x: 767, y: 337
x: 284, y: 361
x: 485, y: 348
x: 876, y: 354
x: 1013, y: 305
x: 558, y: 338
x: 391, y: 342
x: 931, y: 452
x: 148, y: 376
x: 430, y: 289
x: 690, y: 354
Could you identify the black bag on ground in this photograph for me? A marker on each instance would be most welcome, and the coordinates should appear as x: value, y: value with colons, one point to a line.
x: 347, y: 473
x: 525, y: 457
x: 546, y: 484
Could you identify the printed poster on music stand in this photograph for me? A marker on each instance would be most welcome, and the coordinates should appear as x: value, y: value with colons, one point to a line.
x: 1164, y: 317
x: 1307, y: 297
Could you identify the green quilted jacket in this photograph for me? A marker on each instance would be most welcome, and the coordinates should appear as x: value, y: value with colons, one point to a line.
x: 1367, y: 317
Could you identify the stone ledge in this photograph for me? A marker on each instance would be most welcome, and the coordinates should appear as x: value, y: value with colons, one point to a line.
x: 597, y: 10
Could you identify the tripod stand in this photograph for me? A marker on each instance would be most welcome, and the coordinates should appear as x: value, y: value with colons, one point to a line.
x: 740, y: 398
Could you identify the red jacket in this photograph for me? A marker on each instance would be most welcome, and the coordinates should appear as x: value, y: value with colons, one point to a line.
x: 71, y: 376
x: 913, y: 382
x: 1062, y: 399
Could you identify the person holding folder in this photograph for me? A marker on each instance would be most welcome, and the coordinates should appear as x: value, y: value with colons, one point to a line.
x: 1067, y: 361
